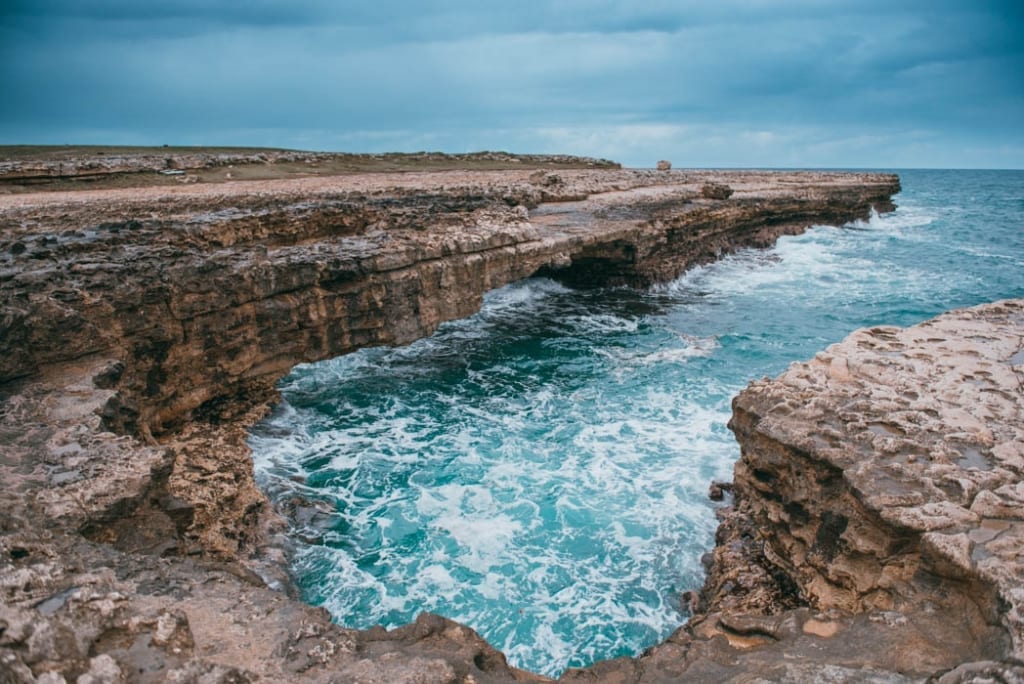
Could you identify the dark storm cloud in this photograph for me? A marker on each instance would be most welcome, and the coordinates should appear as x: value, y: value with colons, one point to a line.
x: 743, y: 82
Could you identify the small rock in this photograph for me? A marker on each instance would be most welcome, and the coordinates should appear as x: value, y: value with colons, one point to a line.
x: 102, y: 670
x: 717, y: 490
x: 172, y: 633
x: 718, y: 191
x: 706, y: 560
x: 66, y: 477
x: 819, y: 628
x: 545, y: 178
x: 664, y: 165
x: 51, y: 678
x: 109, y: 375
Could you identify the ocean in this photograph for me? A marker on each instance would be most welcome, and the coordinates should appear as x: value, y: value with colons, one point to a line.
x: 539, y: 471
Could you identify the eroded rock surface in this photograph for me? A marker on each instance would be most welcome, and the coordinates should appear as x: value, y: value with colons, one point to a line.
x: 913, y: 470
x: 209, y: 293
x: 142, y: 330
x: 876, y: 532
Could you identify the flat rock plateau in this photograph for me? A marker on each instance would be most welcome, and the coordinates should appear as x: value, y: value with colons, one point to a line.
x: 151, y: 300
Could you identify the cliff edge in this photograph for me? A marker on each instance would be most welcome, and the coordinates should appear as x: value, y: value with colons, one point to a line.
x: 875, y: 532
x: 143, y: 330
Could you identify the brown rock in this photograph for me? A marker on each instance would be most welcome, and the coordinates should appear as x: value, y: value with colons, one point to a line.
x: 219, y: 302
x: 144, y: 329
x: 843, y: 559
x: 717, y: 191
x: 664, y: 165
x: 717, y: 490
x: 856, y: 522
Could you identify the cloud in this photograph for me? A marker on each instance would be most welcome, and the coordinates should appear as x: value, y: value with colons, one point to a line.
x: 626, y: 77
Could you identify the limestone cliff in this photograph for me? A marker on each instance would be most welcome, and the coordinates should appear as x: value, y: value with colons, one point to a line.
x: 205, y: 296
x: 876, y: 529
x: 143, y: 329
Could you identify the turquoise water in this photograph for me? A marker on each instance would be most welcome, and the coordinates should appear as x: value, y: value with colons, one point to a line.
x: 539, y: 471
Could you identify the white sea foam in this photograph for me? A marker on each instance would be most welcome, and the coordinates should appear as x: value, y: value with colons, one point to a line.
x: 491, y: 523
x: 601, y: 323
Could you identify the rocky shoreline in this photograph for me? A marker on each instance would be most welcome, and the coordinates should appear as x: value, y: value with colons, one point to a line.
x: 143, y: 331
x: 875, y: 532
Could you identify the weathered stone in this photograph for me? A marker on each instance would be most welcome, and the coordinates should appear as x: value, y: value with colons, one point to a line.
x: 857, y: 523
x: 717, y: 490
x: 144, y: 329
x: 718, y: 191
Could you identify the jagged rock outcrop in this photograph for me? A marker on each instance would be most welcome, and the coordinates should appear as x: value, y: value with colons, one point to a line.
x: 716, y: 191
x: 142, y: 330
x: 73, y: 611
x: 894, y: 455
x: 877, y: 529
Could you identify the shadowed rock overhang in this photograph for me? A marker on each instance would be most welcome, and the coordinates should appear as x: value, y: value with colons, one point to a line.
x: 206, y: 296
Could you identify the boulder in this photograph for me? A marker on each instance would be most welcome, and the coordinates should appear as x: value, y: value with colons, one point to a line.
x: 718, y: 191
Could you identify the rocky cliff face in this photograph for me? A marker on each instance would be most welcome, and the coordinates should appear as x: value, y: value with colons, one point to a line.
x: 205, y: 297
x: 875, y: 533
x: 143, y: 329
x: 887, y: 474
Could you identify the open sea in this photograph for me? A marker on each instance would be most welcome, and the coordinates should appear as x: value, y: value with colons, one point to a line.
x: 539, y: 471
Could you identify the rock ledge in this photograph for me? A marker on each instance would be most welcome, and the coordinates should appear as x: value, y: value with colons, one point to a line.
x: 143, y: 329
x: 877, y: 522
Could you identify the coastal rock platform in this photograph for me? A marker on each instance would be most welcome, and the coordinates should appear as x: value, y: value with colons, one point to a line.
x: 877, y: 529
x: 143, y: 329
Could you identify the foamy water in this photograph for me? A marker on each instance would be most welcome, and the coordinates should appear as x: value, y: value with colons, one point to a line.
x: 539, y: 471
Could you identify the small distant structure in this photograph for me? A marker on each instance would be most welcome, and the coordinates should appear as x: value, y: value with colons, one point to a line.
x: 664, y: 165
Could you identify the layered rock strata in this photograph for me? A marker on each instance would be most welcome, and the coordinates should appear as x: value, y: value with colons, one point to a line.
x: 204, y: 295
x: 877, y: 528
x: 142, y: 330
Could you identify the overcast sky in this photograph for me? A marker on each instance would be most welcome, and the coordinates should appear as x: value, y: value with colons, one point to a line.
x: 778, y: 83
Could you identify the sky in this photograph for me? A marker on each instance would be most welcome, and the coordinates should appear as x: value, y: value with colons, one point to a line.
x: 715, y: 83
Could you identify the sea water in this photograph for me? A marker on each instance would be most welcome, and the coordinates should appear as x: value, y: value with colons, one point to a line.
x: 539, y: 471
